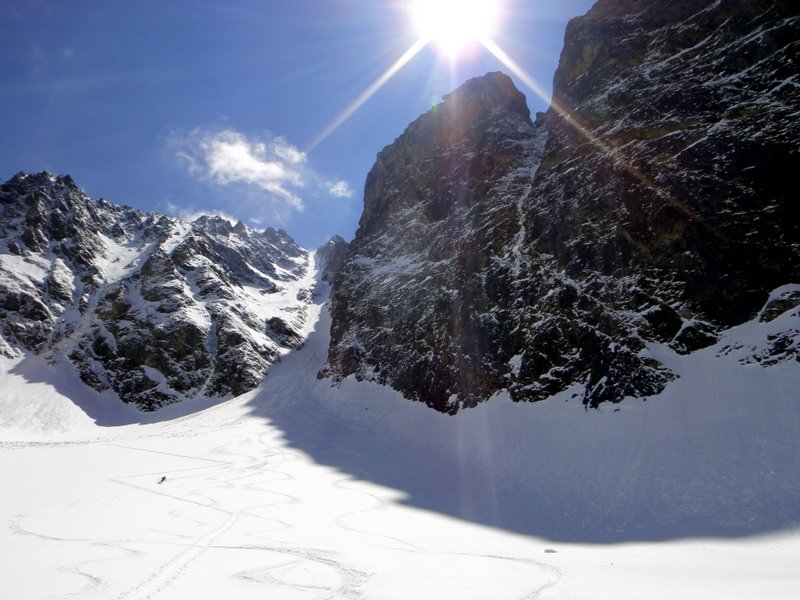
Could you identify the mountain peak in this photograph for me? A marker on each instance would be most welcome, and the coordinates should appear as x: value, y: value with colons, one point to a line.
x: 42, y: 180
x: 471, y: 134
x: 464, y: 114
x: 493, y: 91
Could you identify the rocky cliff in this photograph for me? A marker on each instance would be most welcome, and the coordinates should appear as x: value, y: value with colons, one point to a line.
x: 415, y: 302
x: 156, y: 309
x: 651, y: 207
x: 671, y: 151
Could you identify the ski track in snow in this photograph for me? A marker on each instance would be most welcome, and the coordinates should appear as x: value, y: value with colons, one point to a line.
x: 379, y: 504
x: 376, y: 504
x: 239, y: 468
x: 255, y: 471
x: 79, y: 569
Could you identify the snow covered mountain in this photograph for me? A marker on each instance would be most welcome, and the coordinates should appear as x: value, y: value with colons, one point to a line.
x: 651, y: 252
x: 650, y: 208
x: 154, y: 308
x: 653, y: 204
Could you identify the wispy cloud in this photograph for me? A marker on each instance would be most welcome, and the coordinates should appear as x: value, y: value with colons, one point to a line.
x: 189, y: 214
x: 340, y: 189
x: 228, y: 156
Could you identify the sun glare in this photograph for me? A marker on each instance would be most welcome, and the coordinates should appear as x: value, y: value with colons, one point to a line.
x: 453, y: 24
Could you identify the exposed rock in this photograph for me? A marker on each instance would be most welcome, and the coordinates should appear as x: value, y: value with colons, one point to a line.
x: 280, y: 331
x: 330, y: 257
x: 779, y: 304
x: 60, y: 284
x: 659, y: 210
x: 414, y: 304
x: 779, y: 329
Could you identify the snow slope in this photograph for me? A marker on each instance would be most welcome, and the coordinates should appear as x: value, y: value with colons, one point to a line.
x: 715, y: 454
x: 300, y: 490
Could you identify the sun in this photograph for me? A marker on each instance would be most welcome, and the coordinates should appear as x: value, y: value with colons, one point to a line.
x: 454, y: 24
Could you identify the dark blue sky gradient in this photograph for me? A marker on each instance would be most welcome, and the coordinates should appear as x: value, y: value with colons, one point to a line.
x: 101, y: 89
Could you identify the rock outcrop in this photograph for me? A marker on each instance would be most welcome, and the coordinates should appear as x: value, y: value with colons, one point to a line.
x: 651, y: 205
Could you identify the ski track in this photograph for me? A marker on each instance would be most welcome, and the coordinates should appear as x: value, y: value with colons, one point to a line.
x: 240, y: 466
x: 79, y: 568
x: 379, y: 504
x: 167, y: 573
x: 257, y: 467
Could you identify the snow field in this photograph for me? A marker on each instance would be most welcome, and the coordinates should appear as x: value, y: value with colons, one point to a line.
x: 245, y: 515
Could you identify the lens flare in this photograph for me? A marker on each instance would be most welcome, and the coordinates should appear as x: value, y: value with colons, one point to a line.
x: 368, y: 93
x: 454, y: 24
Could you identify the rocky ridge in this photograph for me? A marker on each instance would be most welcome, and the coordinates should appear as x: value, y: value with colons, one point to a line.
x: 649, y: 208
x: 154, y: 308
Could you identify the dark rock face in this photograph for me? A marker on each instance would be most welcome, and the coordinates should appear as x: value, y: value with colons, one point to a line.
x: 156, y: 309
x: 651, y: 204
x: 682, y: 173
x: 414, y: 304
x: 330, y: 257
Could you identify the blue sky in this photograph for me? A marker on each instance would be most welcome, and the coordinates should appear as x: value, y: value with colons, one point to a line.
x: 201, y: 106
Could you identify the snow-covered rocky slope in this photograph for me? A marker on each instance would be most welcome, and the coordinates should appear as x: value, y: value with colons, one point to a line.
x: 300, y: 490
x: 654, y: 203
x: 150, y: 307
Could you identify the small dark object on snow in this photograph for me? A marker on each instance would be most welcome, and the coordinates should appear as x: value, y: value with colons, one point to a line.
x: 550, y: 551
x: 163, y: 479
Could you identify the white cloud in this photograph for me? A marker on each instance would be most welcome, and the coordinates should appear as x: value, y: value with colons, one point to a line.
x: 228, y: 156
x: 189, y: 214
x: 340, y: 189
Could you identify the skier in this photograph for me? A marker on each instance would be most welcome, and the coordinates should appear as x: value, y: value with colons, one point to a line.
x: 163, y: 479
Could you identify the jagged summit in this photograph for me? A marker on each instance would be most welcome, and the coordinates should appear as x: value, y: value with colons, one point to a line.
x: 149, y: 306
x: 457, y: 135
x: 476, y: 100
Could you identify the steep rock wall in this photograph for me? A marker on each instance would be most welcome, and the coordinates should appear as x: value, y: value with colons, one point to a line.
x: 652, y: 204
